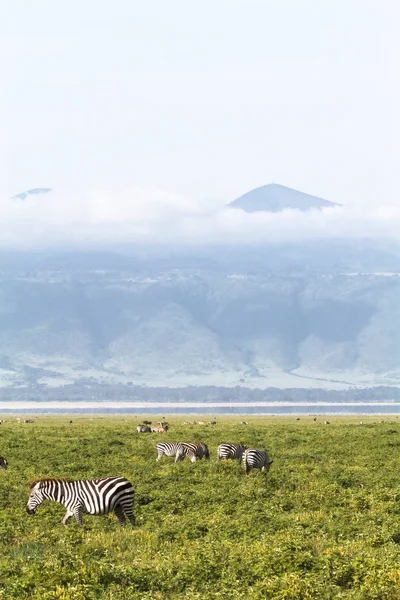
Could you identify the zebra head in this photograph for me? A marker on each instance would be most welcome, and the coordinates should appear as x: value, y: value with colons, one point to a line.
x: 3, y: 463
x: 207, y: 453
x: 37, y: 496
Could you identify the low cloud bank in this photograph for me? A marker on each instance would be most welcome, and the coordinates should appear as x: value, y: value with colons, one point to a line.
x: 150, y: 215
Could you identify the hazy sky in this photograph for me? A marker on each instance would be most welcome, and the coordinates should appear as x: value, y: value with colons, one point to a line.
x: 202, y: 100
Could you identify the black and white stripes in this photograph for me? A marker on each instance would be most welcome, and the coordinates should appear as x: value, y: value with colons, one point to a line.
x: 92, y: 496
x: 193, y: 450
x: 256, y: 459
x: 226, y: 451
x: 167, y: 448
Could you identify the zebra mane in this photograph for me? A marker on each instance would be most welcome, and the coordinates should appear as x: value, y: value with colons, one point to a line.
x: 48, y: 480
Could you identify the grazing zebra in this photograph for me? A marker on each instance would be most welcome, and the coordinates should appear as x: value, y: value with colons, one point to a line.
x: 231, y: 451
x: 159, y: 429
x: 92, y: 496
x: 167, y: 448
x: 3, y: 463
x: 143, y: 429
x: 193, y: 450
x: 256, y: 459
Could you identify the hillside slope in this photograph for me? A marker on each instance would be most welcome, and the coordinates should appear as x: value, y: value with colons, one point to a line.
x: 197, y: 326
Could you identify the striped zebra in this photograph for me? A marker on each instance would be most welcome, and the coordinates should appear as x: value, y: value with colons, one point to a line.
x: 231, y: 451
x: 256, y: 459
x: 193, y: 450
x: 3, y: 463
x: 167, y: 448
x: 143, y: 429
x: 91, y: 496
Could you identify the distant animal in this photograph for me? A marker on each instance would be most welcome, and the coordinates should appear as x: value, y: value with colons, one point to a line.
x: 162, y: 423
x: 212, y: 422
x: 29, y: 421
x: 298, y: 419
x: 70, y: 422
x: 201, y: 423
x: 315, y: 418
x: 143, y: 429
x: 147, y: 422
x: 243, y: 422
x: 3, y: 463
x: 91, y: 496
x: 193, y: 450
x: 167, y: 448
x: 327, y: 422
x: 226, y: 451
x: 256, y: 459
x: 159, y: 429
x: 188, y: 422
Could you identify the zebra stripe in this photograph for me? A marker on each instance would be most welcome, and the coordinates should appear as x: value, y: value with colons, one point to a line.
x: 193, y: 450
x: 143, y: 429
x: 91, y: 496
x: 256, y: 459
x: 167, y: 448
x: 231, y: 451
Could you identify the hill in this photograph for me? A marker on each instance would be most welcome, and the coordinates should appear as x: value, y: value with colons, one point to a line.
x: 275, y: 198
x: 276, y: 317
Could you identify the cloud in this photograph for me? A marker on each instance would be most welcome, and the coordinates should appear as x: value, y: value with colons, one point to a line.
x: 151, y: 215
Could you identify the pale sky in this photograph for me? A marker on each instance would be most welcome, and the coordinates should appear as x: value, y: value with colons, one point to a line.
x: 199, y: 100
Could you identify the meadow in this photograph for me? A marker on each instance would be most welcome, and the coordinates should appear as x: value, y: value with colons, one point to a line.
x: 323, y: 523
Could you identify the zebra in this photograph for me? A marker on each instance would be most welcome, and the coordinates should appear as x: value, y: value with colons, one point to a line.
x: 193, y: 450
x: 167, y: 448
x: 143, y: 429
x: 256, y: 459
x: 91, y: 496
x: 3, y: 463
x: 159, y: 429
x: 231, y: 451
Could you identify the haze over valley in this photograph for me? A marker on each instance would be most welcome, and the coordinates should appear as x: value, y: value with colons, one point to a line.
x: 319, y: 313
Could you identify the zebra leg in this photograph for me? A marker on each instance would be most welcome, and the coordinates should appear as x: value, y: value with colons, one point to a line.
x: 193, y: 459
x: 120, y: 514
x: 67, y: 517
x: 78, y: 514
x: 159, y: 457
x: 130, y: 515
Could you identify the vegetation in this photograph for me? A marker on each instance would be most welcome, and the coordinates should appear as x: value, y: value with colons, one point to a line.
x: 323, y: 523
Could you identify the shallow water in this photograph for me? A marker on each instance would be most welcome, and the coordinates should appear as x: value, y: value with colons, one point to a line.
x: 203, y: 408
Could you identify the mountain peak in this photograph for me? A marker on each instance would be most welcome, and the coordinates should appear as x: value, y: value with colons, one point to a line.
x: 32, y: 192
x: 275, y: 198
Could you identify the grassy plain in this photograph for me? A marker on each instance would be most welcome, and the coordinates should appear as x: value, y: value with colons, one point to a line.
x: 323, y: 523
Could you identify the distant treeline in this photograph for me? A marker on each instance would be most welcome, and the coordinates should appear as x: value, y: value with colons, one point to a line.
x: 88, y: 390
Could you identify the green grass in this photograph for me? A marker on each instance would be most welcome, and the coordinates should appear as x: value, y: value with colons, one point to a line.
x: 323, y: 523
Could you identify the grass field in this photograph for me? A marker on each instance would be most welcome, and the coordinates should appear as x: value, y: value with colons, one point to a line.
x: 323, y: 523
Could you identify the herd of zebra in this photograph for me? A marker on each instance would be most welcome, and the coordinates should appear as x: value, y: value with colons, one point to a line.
x: 252, y: 458
x: 101, y: 496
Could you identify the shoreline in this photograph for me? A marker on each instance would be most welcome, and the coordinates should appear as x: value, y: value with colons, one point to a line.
x: 244, y: 409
